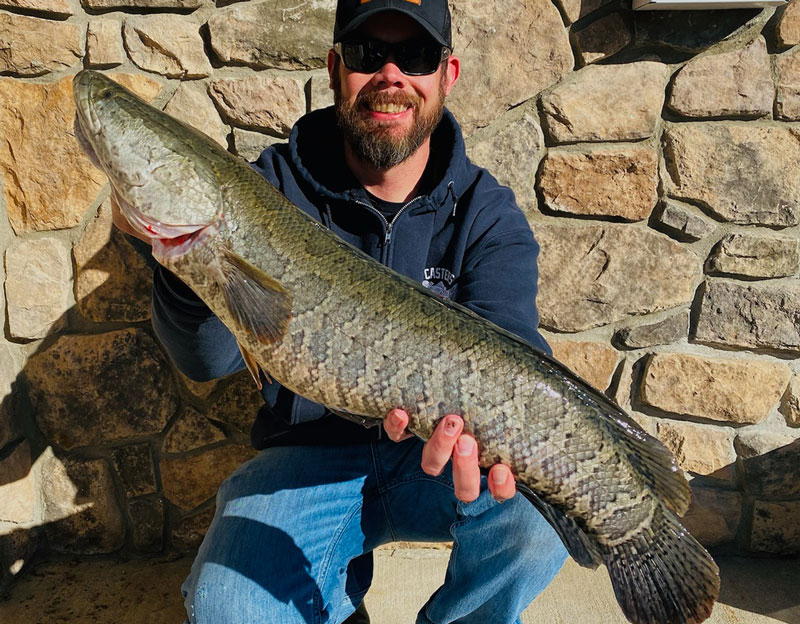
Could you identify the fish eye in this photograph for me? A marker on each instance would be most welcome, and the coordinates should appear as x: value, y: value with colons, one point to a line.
x: 106, y: 94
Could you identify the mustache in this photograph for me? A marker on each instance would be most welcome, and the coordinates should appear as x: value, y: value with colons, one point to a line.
x: 377, y: 98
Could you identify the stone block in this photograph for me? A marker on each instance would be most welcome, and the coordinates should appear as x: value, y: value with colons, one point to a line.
x: 11, y: 363
x: 602, y: 182
x: 512, y: 155
x: 271, y: 103
x: 188, y: 533
x: 592, y: 361
x: 674, y: 328
x: 147, y: 518
x: 755, y: 256
x: 39, y: 154
x: 282, y: 33
x: 603, y: 38
x: 319, y: 92
x: 104, y: 43
x: 714, y: 515
x: 113, y: 281
x: 191, y: 431
x: 189, y: 481
x: 737, y: 83
x: 735, y: 391
x: 237, y: 403
x: 733, y: 314
x: 249, y: 144
x: 98, y: 389
x: 788, y: 28
x: 169, y: 45
x: 141, y: 4
x: 682, y: 223
x: 575, y: 9
x: 54, y: 8
x: 135, y: 467
x: 775, y: 528
x: 200, y: 389
x: 693, y: 31
x: 701, y: 449
x: 17, y: 486
x: 594, y: 104
x: 38, y: 276
x: 771, y: 464
x: 787, y: 100
x: 705, y: 163
x: 190, y: 103
x: 503, y: 45
x: 79, y: 506
x: 599, y: 274
x: 33, y: 47
x: 790, y: 406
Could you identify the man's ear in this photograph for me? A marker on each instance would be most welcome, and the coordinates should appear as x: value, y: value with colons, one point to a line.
x: 453, y: 71
x: 331, y: 66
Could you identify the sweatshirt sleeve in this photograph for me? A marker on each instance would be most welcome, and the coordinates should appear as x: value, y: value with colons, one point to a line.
x: 195, y: 339
x: 499, y: 278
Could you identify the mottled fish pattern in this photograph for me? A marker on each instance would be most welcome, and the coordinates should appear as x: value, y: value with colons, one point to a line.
x: 339, y: 328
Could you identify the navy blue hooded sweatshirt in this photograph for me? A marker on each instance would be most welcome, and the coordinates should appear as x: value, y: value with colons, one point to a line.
x: 463, y: 236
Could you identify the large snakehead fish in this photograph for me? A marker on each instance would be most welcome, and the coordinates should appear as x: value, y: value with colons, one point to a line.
x: 335, y: 326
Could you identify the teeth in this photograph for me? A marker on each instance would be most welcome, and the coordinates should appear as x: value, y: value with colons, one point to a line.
x: 389, y: 108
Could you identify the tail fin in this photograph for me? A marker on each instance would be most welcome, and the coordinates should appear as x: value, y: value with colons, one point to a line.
x: 663, y: 575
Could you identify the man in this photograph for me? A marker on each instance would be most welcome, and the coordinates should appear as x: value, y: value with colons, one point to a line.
x: 385, y: 169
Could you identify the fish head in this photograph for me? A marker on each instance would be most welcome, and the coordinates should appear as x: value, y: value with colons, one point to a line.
x: 160, y: 171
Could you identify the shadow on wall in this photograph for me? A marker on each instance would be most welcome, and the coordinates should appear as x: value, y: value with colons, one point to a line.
x: 104, y: 447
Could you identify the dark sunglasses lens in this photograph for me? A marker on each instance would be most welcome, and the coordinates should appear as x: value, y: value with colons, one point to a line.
x: 418, y: 58
x: 364, y: 57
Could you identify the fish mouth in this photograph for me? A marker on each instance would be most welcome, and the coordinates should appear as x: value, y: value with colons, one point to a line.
x: 167, y: 248
x: 151, y: 228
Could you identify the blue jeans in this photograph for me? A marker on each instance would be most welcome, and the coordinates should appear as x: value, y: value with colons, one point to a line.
x: 294, y: 528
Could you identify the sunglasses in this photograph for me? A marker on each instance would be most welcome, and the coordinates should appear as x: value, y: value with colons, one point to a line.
x: 415, y: 57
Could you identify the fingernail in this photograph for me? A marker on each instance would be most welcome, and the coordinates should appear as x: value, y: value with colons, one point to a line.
x: 464, y: 446
x: 451, y: 427
x: 499, y: 477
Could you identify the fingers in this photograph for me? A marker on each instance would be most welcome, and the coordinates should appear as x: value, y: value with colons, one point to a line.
x: 439, y: 449
x: 466, y: 472
x: 501, y: 482
x: 395, y: 425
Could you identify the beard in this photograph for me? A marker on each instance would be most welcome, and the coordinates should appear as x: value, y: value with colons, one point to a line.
x: 376, y: 143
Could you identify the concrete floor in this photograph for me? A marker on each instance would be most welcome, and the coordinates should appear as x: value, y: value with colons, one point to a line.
x: 754, y: 591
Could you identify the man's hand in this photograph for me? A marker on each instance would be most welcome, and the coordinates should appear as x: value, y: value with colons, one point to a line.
x: 448, y: 442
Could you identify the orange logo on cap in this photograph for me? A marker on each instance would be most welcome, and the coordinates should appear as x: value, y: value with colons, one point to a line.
x: 411, y: 1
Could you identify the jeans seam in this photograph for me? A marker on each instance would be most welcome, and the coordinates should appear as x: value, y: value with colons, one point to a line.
x: 324, y: 567
x: 381, y: 490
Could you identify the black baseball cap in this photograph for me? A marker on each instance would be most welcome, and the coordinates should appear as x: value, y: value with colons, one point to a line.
x: 432, y: 15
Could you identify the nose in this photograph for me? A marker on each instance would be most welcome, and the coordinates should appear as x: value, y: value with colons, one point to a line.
x: 389, y: 75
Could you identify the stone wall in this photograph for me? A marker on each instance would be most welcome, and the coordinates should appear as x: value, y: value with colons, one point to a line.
x: 657, y: 156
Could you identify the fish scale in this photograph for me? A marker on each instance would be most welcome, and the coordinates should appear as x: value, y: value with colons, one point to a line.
x: 333, y: 325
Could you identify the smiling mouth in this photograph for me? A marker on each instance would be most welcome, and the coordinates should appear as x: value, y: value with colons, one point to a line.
x: 388, y: 107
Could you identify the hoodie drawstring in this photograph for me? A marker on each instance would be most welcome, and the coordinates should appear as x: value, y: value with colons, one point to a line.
x: 450, y: 190
x: 327, y: 218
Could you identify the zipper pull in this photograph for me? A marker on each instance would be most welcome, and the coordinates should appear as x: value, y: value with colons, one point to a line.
x: 388, y: 237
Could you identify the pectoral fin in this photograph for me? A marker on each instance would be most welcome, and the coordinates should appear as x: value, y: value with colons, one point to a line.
x: 252, y: 366
x: 257, y: 302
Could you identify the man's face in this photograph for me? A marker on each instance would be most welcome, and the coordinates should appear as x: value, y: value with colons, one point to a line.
x: 386, y: 116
